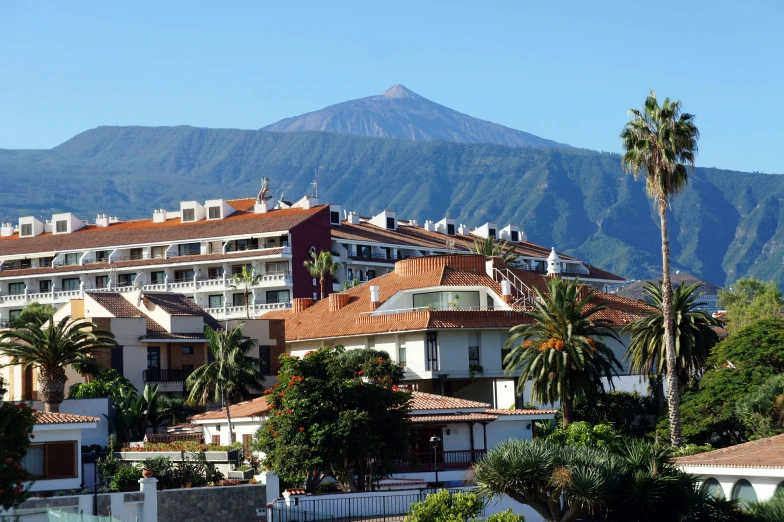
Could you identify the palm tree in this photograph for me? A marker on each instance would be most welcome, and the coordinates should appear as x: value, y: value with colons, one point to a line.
x: 245, y: 280
x: 232, y: 376
x: 169, y: 409
x: 694, y: 336
x: 53, y: 346
x: 322, y: 265
x: 562, y: 350
x: 661, y: 143
x: 489, y: 247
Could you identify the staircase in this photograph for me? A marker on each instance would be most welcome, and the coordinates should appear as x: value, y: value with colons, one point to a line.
x: 522, y: 295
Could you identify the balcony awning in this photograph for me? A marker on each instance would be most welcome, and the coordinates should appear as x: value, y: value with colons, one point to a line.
x: 448, y: 419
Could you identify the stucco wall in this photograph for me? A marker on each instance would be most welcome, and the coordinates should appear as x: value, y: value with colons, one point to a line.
x: 764, y: 481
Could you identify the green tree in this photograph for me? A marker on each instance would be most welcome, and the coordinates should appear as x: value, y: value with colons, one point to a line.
x: 322, y: 265
x: 562, y: 350
x: 630, y: 414
x: 660, y: 143
x: 232, y: 376
x: 34, y: 313
x: 750, y: 300
x: 128, y: 418
x: 694, y: 337
x: 53, y: 347
x: 169, y: 409
x: 762, y: 410
x: 336, y: 413
x: 245, y: 280
x: 16, y: 427
x: 769, y: 511
x: 108, y: 383
x: 458, y: 507
x: 489, y: 247
x: 737, y: 366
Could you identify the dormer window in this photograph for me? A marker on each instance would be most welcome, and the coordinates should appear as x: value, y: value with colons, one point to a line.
x: 491, y: 232
x: 26, y: 230
x: 390, y: 223
x: 214, y: 213
x: 515, y: 236
x: 188, y: 214
x: 61, y: 226
x: 334, y: 218
x: 450, y: 229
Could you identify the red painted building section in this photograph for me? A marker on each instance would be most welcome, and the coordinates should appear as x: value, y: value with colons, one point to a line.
x: 314, y: 232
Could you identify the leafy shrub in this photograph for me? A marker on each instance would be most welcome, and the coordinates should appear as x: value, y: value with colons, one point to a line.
x: 16, y: 428
x: 126, y: 479
x: 583, y: 434
x: 445, y: 507
x: 506, y: 516
x: 163, y: 469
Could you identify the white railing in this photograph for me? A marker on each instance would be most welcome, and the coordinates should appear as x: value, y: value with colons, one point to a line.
x: 11, y: 298
x: 524, y: 295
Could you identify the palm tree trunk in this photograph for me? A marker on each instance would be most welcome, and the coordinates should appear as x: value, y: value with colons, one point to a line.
x: 228, y: 418
x: 673, y: 395
x: 51, y: 385
x: 247, y: 304
x: 321, y: 284
x: 568, y: 410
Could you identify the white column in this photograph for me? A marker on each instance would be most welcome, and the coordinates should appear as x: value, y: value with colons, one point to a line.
x: 149, y: 488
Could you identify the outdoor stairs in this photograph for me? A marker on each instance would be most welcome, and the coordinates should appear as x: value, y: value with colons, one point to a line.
x: 522, y: 295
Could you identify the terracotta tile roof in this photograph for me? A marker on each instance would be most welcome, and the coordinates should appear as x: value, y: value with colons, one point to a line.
x: 117, y: 305
x: 502, y: 412
x: 598, y: 273
x: 762, y: 453
x: 141, y: 262
x: 173, y: 304
x: 430, y: 401
x: 620, y: 310
x: 146, y: 231
x: 439, y: 419
x: 242, y: 203
x: 252, y: 408
x: 62, y: 418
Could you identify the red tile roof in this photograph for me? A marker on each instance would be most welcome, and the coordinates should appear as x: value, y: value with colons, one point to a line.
x: 146, y: 231
x: 762, y: 453
x: 62, y: 418
x: 253, y: 408
x: 502, y: 412
x: 440, y: 419
x: 429, y: 401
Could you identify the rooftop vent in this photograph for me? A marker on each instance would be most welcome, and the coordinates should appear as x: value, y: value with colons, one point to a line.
x: 6, y: 229
x: 353, y: 218
x: 430, y: 226
x: 463, y: 230
x: 375, y: 297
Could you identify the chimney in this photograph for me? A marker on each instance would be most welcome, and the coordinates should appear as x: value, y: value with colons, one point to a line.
x: 353, y: 218
x: 338, y: 301
x: 553, y: 263
x: 260, y: 207
x: 413, y: 222
x: 430, y: 226
x: 300, y: 304
x: 159, y: 215
x: 102, y: 220
x: 506, y: 287
x: 6, y: 229
x: 463, y: 230
x: 375, y: 299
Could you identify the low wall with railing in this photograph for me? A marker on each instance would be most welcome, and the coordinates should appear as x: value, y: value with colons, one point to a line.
x: 225, y: 504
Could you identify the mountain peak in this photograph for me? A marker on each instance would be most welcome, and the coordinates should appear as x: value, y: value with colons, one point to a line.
x: 399, y: 91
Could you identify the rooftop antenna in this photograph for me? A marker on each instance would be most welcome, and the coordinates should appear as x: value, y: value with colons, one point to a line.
x: 138, y: 284
x: 265, y: 190
x: 314, y: 183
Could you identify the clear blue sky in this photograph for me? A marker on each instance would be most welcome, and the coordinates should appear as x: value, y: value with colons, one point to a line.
x: 567, y: 71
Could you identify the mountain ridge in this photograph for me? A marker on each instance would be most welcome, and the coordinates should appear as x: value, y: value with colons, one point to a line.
x: 401, y: 113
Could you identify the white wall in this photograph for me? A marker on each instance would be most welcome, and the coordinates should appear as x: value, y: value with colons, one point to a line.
x: 91, y: 408
x: 242, y: 426
x: 764, y: 481
x: 57, y: 433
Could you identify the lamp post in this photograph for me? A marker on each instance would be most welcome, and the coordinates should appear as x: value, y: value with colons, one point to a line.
x: 434, y: 441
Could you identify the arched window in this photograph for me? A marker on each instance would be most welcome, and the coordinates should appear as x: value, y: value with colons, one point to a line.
x: 744, y: 492
x: 714, y: 488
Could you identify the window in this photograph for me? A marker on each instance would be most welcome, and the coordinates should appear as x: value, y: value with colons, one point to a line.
x: 137, y: 253
x: 71, y: 283
x: 45, y: 285
x: 431, y: 353
x: 187, y: 350
x: 183, y: 275
x: 450, y: 229
x: 187, y: 369
x: 246, y: 440
x: 714, y: 488
x: 45, y: 261
x: 27, y: 230
x: 215, y: 301
x: 744, y: 492
x: 51, y: 460
x: 401, y: 354
x: 238, y: 299
x: 16, y: 288
x: 61, y: 226
x: 237, y: 269
x: 216, y: 438
x: 25, y: 263
x: 158, y: 252
x: 153, y: 357
x: 101, y: 256
x: 71, y: 259
x: 189, y: 214
x: 371, y: 342
x: 13, y: 315
x: 215, y: 273
x: 279, y: 267
x: 101, y: 281
x: 371, y: 274
x: 390, y: 223
x: 515, y: 236
x: 157, y: 278
x: 447, y: 300
x: 491, y: 232
x: 364, y: 251
x: 125, y: 279
x: 264, y: 356
x: 473, y: 355
x: 117, y: 359
x: 334, y: 218
x: 189, y: 249
x: 214, y: 212
x: 278, y: 296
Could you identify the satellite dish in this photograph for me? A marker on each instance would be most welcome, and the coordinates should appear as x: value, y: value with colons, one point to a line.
x: 138, y: 284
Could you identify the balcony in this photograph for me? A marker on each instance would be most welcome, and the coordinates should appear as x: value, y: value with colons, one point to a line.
x: 423, y: 461
x: 233, y: 312
x: 160, y: 375
x: 373, y: 256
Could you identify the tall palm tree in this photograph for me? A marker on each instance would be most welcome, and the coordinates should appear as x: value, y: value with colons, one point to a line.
x: 245, y: 280
x: 660, y: 143
x: 53, y: 346
x: 232, y: 376
x: 694, y: 336
x: 562, y: 350
x: 489, y: 247
x: 322, y: 265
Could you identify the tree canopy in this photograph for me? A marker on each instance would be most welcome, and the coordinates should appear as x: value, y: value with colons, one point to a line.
x: 748, y: 301
x: 35, y: 313
x: 336, y: 413
x: 16, y: 427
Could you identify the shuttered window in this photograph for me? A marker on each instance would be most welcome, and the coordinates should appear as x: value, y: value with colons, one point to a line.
x: 52, y: 460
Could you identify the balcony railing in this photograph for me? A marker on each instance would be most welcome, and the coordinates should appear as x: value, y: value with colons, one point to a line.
x: 159, y: 375
x: 376, y: 255
x: 447, y: 460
